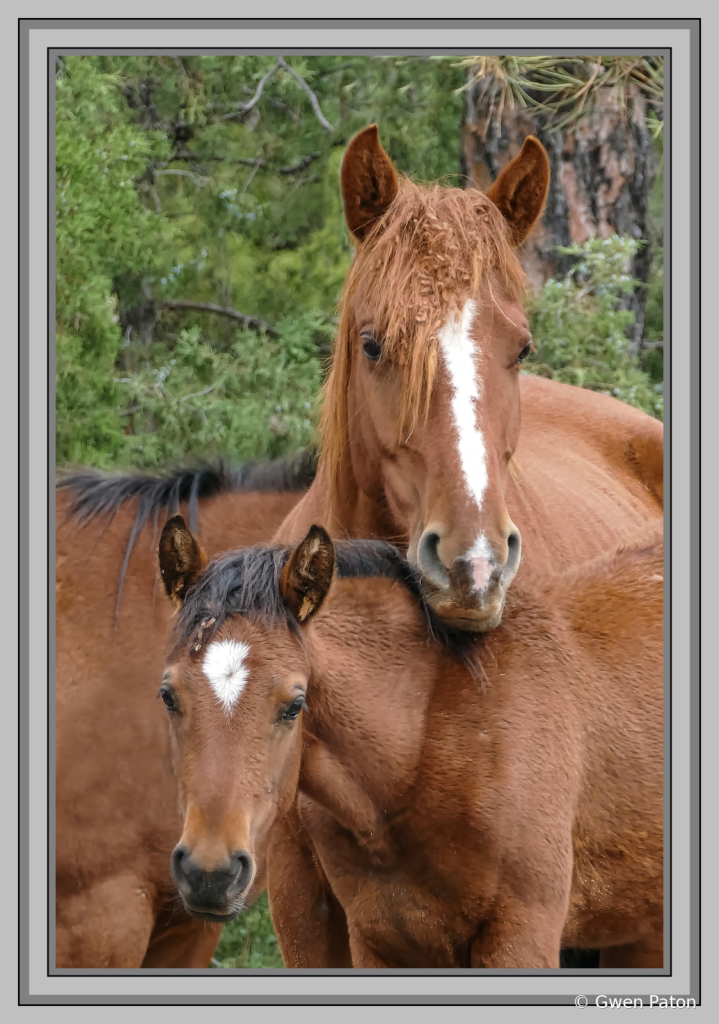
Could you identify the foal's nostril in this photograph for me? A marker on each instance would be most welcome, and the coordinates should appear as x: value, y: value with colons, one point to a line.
x: 241, y: 864
x: 429, y: 561
x: 180, y: 860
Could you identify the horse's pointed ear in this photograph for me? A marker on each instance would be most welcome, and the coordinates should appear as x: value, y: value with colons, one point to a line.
x: 181, y: 559
x: 369, y: 181
x: 521, y: 189
x: 306, y: 578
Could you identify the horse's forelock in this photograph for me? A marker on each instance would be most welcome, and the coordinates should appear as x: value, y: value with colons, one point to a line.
x: 420, y: 263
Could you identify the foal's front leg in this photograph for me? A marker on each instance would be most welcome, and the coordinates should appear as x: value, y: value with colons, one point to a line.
x: 309, y: 922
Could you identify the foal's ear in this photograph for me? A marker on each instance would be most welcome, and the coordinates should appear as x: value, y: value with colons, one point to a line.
x: 521, y: 189
x: 306, y: 578
x: 369, y: 181
x: 181, y: 559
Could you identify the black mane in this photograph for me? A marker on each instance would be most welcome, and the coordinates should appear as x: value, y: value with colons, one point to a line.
x: 95, y: 494
x: 246, y: 582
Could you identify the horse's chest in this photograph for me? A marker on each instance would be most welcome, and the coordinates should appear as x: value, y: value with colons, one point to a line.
x: 397, y: 902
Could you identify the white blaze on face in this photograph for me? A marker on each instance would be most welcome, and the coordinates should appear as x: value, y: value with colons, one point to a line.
x: 226, y: 671
x: 459, y: 352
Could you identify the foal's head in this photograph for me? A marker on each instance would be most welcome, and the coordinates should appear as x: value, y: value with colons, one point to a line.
x: 422, y: 404
x: 234, y: 687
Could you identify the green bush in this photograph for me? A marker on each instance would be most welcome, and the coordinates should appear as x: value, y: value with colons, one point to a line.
x: 250, y: 940
x: 579, y: 326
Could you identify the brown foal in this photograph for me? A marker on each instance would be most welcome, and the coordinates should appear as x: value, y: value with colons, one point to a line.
x: 470, y: 802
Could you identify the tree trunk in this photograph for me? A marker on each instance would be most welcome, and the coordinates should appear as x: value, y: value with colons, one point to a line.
x: 602, y: 172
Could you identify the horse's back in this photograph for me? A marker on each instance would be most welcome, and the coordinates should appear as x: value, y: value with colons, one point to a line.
x: 586, y: 476
x: 626, y: 437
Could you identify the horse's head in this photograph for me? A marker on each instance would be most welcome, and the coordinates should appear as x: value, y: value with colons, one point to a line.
x: 234, y: 687
x: 422, y: 404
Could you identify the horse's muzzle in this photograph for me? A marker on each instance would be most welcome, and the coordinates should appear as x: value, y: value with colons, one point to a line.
x: 217, y: 895
x: 470, y: 594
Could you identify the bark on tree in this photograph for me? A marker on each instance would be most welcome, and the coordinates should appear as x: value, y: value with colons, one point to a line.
x: 602, y: 173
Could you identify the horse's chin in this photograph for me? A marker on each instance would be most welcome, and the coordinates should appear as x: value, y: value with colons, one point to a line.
x: 467, y: 619
x: 215, y: 918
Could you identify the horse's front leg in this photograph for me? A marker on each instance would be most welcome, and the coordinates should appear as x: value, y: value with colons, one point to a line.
x: 363, y: 955
x: 309, y: 922
x: 180, y: 941
x: 521, y: 936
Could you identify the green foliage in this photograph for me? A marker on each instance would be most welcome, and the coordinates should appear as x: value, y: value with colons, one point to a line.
x: 579, y: 326
x: 250, y: 940
x: 210, y: 401
x: 98, y: 216
x: 166, y: 191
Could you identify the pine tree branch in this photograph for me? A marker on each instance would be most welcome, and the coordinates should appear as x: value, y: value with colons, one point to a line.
x: 245, y: 108
x: 250, y: 323
x: 198, y: 179
x: 281, y: 62
x: 301, y: 164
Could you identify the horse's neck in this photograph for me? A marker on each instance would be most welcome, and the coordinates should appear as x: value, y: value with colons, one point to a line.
x: 369, y: 703
x: 351, y: 514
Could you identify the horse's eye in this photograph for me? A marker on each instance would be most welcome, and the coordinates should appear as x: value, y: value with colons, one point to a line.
x: 167, y: 698
x: 524, y: 353
x: 371, y: 347
x: 290, y: 713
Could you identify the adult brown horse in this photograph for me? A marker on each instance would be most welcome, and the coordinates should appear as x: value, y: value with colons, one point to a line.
x: 469, y: 807
x: 117, y: 819
x: 421, y: 415
x: 422, y: 440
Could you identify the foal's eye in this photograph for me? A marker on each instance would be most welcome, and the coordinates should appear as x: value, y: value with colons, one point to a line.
x: 290, y: 713
x: 524, y: 353
x: 371, y: 347
x: 167, y: 698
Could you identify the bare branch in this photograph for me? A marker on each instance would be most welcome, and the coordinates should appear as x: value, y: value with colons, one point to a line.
x: 253, y: 172
x: 250, y: 323
x: 186, y: 155
x: 310, y: 180
x: 301, y: 164
x: 198, y: 394
x: 281, y: 62
x: 198, y: 159
x: 198, y: 179
x: 274, y: 102
x: 245, y: 108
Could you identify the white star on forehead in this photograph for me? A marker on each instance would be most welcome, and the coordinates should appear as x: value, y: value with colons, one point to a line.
x: 225, y: 669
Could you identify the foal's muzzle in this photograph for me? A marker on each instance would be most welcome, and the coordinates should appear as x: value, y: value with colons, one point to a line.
x: 216, y: 895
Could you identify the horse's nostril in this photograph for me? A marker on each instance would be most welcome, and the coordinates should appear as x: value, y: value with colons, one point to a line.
x: 180, y: 859
x: 429, y: 561
x: 514, y: 552
x: 242, y: 867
